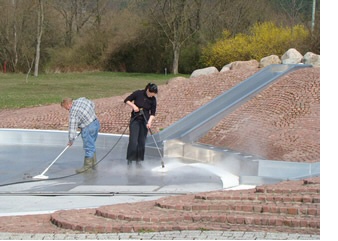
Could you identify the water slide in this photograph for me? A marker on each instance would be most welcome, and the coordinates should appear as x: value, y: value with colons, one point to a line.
x: 199, y: 122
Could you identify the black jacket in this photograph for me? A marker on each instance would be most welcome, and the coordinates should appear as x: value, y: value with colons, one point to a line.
x: 142, y: 101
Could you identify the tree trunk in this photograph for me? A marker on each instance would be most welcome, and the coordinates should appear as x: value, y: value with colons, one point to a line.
x: 176, y: 59
x: 38, y: 38
x: 15, y: 43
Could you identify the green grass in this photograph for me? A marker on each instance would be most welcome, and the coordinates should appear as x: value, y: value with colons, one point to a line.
x: 16, y: 92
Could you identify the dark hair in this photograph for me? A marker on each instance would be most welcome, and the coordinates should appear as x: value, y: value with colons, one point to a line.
x: 151, y: 87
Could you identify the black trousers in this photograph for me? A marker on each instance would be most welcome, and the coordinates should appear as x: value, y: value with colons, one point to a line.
x: 137, y: 139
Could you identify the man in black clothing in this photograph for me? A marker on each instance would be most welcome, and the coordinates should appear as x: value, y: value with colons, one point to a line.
x: 140, y: 101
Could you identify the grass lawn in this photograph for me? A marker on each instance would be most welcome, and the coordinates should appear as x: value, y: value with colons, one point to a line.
x: 17, y: 92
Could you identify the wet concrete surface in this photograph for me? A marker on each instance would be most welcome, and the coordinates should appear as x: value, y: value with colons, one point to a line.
x: 22, y: 163
x: 26, y: 154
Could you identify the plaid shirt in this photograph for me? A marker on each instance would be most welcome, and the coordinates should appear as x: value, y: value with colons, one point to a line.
x: 81, y: 115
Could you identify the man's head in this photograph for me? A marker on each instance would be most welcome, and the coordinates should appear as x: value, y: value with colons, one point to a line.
x: 67, y: 103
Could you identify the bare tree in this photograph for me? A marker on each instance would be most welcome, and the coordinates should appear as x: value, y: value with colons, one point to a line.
x: 292, y: 8
x: 76, y: 14
x: 39, y: 36
x: 15, y: 38
x: 235, y: 16
x: 178, y: 19
x: 16, y: 31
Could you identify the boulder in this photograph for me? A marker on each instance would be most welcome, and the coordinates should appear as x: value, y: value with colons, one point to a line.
x: 292, y: 56
x: 311, y: 58
x: 226, y: 68
x: 204, y: 71
x: 272, y: 59
x: 250, y: 64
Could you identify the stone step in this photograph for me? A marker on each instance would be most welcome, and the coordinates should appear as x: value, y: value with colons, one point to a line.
x: 302, y: 191
x: 161, y: 211
x: 264, y: 197
x: 204, y: 211
x: 279, y: 208
x: 300, y: 199
x: 89, y: 221
x: 311, y: 185
x: 153, y: 214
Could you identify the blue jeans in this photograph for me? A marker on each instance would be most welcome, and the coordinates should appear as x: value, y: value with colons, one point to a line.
x: 89, y: 135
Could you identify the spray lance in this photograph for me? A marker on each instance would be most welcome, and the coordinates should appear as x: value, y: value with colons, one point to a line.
x: 158, y: 149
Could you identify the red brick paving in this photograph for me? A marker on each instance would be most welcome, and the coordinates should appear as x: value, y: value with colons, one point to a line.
x: 280, y: 123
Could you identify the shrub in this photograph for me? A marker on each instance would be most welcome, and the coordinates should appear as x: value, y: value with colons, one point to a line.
x: 264, y: 39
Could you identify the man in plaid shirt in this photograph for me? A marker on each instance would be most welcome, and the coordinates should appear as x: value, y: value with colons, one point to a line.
x: 82, y: 115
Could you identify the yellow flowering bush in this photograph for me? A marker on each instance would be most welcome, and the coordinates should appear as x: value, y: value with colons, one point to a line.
x: 264, y: 39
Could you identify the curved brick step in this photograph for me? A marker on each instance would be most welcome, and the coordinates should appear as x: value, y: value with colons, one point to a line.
x: 304, y: 191
x: 307, y: 186
x: 143, y: 212
x: 205, y: 211
x: 298, y: 197
x: 247, y: 206
x: 150, y: 212
x: 275, y: 205
x: 156, y: 215
x: 246, y: 201
x: 310, y: 186
x: 88, y: 221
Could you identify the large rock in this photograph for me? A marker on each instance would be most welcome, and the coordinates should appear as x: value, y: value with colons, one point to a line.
x: 226, y: 68
x: 311, y: 58
x: 292, y: 56
x: 250, y: 64
x: 205, y: 71
x: 272, y: 59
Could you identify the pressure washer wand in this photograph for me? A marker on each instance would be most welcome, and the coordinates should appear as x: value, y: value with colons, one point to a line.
x: 42, y: 175
x: 158, y: 149
x: 159, y: 152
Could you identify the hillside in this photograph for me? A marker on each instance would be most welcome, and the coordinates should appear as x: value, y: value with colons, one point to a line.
x: 280, y: 123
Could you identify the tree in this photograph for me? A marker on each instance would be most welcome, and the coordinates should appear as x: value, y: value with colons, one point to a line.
x: 16, y: 32
x: 9, y: 32
x: 179, y: 20
x: 293, y: 9
x: 76, y: 13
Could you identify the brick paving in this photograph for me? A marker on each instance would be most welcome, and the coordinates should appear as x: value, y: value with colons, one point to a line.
x: 280, y: 123
x: 259, y: 209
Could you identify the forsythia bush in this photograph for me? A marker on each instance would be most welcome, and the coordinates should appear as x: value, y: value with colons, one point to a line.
x: 263, y: 40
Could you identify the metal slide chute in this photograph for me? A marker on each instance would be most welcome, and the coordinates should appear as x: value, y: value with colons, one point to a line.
x: 199, y: 122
